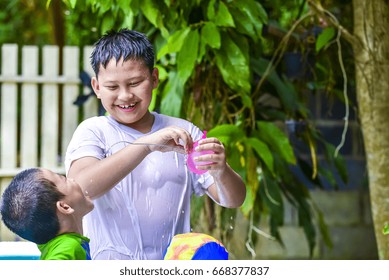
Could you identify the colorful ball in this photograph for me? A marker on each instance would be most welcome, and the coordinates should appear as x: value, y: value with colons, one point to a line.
x: 195, y: 246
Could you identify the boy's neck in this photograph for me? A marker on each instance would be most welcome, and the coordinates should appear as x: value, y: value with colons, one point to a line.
x: 145, y: 124
x: 70, y: 225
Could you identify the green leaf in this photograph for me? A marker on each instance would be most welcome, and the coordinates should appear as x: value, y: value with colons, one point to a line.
x: 329, y: 175
x: 252, y: 183
x: 253, y: 10
x: 48, y: 4
x: 284, y: 88
x: 270, y: 194
x: 338, y: 161
x: 262, y: 151
x: 386, y: 229
x: 210, y: 35
x: 150, y: 11
x: 249, y: 16
x: 105, y: 6
x: 125, y: 5
x: 153, y: 14
x: 73, y: 3
x: 249, y: 201
x: 223, y: 16
x: 129, y: 18
x: 323, y: 228
x: 186, y: 58
x: 107, y: 23
x: 202, y: 51
x: 172, y: 96
x: 233, y: 65
x: 246, y: 99
x: 153, y: 101
x: 211, y: 10
x: 174, y: 43
x: 162, y: 73
x: 162, y: 76
x: 276, y: 139
x: 327, y: 35
x: 244, y: 24
x: 305, y: 220
x: 229, y: 131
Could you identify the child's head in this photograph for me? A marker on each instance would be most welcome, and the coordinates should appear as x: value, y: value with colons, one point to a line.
x: 123, y: 44
x: 125, y: 77
x: 31, y: 204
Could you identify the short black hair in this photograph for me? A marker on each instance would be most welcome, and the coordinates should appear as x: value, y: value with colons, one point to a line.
x: 126, y: 44
x: 28, y: 206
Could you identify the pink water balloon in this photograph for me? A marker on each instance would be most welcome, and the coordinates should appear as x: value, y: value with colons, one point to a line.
x: 192, y: 154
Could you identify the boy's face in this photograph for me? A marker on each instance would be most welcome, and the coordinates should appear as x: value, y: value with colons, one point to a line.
x: 74, y: 196
x: 125, y: 90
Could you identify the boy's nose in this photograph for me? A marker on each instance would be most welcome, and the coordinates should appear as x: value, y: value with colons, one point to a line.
x: 125, y: 93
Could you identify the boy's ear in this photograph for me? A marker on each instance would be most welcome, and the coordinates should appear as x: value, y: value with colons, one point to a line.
x: 155, y: 77
x: 96, y: 87
x: 64, y: 208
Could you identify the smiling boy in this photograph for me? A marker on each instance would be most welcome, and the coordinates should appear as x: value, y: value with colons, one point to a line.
x: 141, y: 189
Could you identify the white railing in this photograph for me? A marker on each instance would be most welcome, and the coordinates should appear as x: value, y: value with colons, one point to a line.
x: 37, y: 114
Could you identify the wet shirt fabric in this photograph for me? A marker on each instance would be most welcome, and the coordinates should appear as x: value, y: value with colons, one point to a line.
x: 67, y: 246
x: 138, y: 217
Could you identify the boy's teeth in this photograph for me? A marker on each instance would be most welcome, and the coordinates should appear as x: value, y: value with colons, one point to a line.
x: 126, y: 106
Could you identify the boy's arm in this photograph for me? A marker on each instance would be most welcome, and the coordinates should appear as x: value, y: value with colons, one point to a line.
x: 228, y: 189
x: 99, y: 176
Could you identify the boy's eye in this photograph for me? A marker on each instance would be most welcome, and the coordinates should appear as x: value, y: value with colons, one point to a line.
x: 134, y: 84
x: 111, y: 87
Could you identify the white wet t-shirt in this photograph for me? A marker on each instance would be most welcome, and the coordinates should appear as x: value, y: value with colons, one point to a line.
x: 140, y: 215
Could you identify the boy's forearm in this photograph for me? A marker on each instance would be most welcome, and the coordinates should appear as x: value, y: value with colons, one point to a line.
x: 99, y: 176
x: 230, y: 188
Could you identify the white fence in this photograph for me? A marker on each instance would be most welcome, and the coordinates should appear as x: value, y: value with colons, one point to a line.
x: 38, y: 117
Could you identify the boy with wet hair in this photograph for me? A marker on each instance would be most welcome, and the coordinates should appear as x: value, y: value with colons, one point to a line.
x: 133, y: 161
x: 46, y: 208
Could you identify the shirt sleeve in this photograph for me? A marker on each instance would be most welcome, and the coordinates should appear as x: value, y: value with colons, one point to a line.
x: 87, y: 141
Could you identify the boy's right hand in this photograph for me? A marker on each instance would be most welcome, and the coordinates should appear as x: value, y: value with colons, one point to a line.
x: 171, y: 138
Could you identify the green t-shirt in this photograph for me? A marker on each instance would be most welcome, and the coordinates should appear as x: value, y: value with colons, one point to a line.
x: 67, y: 246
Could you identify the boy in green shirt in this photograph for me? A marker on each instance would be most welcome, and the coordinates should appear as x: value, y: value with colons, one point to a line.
x: 47, y: 209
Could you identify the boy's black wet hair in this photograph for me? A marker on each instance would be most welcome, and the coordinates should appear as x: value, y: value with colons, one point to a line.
x: 126, y: 44
x: 28, y: 206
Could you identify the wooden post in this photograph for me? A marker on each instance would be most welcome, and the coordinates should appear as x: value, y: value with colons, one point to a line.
x: 29, y: 117
x: 70, y: 93
x: 8, y: 150
x: 49, y: 132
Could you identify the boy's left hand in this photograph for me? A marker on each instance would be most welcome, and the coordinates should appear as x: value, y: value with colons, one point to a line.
x: 218, y: 157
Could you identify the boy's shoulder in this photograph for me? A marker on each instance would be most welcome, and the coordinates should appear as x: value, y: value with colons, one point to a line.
x: 98, y: 124
x: 65, y: 246
x: 97, y: 120
x: 170, y: 120
x: 166, y: 120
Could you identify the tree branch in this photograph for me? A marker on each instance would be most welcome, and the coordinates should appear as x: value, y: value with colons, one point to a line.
x: 317, y: 8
